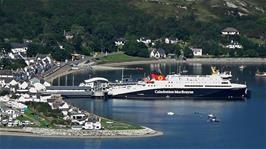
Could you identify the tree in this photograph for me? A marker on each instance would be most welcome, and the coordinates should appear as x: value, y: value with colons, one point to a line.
x: 169, y: 48
x: 60, y: 54
x: 188, y: 53
x: 34, y: 49
x: 135, y: 48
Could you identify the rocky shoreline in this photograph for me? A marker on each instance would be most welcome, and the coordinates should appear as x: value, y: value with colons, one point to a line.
x: 69, y: 133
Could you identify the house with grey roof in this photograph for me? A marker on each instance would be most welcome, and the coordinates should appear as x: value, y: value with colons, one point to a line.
x: 6, y: 76
x: 157, y: 53
x: 19, y: 47
x: 230, y: 31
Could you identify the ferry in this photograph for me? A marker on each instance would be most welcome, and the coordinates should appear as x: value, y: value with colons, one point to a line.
x: 158, y: 86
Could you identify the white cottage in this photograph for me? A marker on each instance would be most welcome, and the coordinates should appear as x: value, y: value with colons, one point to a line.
x: 88, y: 125
x: 144, y: 40
x: 120, y: 42
x: 234, y: 45
x: 97, y: 125
x: 196, y: 51
x: 19, y: 48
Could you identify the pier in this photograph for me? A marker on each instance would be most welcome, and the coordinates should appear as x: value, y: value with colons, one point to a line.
x: 69, y: 91
x: 93, y: 88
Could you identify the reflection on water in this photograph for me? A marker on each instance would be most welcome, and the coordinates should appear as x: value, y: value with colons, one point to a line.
x: 239, y: 75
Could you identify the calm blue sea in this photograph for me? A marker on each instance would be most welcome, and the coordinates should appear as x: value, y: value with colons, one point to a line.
x: 242, y: 126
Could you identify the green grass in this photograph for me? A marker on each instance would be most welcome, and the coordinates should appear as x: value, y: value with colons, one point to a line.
x: 204, y: 14
x: 28, y: 116
x: 258, y: 41
x: 161, y: 10
x: 119, y: 58
x: 114, y: 125
x: 40, y: 115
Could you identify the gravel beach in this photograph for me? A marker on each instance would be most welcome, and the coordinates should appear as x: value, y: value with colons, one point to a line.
x: 69, y: 133
x: 194, y: 60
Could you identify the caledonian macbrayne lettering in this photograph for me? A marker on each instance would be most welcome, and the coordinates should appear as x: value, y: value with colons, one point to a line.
x: 173, y: 92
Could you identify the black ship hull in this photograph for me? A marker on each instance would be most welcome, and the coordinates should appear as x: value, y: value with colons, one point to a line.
x: 204, y: 93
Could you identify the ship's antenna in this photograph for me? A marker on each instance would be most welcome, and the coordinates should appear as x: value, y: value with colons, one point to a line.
x: 122, y: 77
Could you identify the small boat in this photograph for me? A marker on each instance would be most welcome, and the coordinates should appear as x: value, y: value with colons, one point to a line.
x: 211, y: 116
x: 260, y: 74
x: 214, y: 120
x: 170, y: 113
x: 241, y: 67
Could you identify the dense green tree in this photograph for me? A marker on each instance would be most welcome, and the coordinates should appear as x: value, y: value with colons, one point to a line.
x: 134, y: 48
x: 12, y: 64
x: 187, y: 52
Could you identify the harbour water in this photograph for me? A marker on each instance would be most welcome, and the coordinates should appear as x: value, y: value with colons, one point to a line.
x: 242, y: 125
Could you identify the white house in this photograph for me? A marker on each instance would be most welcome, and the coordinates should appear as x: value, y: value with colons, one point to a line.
x: 234, y: 45
x: 13, y: 83
x: 23, y: 85
x: 6, y: 74
x: 69, y: 36
x: 78, y: 118
x: 19, y: 48
x: 97, y: 125
x: 196, y: 51
x: 64, y: 106
x: 171, y: 40
x: 12, y: 113
x: 39, y: 87
x: 230, y: 31
x: 157, y: 53
x: 65, y: 113
x: 88, y: 125
x: 120, y: 42
x: 29, y: 61
x: 144, y: 40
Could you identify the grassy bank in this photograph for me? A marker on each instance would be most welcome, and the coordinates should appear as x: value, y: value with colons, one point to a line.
x: 120, y: 57
x: 41, y: 115
x: 114, y: 125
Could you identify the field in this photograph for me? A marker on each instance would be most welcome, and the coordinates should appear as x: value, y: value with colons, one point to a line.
x: 118, y: 58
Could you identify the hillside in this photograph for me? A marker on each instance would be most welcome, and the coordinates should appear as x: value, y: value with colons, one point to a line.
x: 203, y: 8
x: 235, y: 13
x: 96, y: 24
